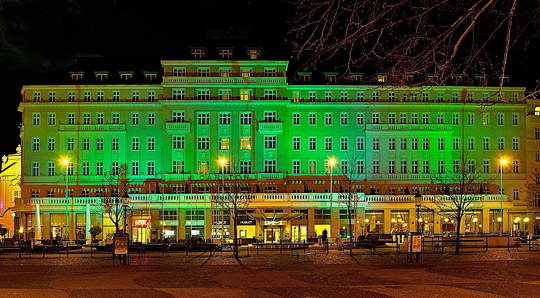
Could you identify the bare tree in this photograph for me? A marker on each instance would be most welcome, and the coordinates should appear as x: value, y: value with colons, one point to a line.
x: 404, y: 38
x: 349, y: 188
x: 115, y: 187
x: 458, y: 190
x: 233, y: 195
x: 533, y: 191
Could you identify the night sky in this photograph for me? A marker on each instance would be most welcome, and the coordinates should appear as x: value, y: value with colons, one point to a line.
x: 37, y: 37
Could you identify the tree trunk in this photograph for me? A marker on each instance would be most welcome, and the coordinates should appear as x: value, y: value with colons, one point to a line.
x: 351, y: 239
x: 235, y: 241
x: 458, y: 238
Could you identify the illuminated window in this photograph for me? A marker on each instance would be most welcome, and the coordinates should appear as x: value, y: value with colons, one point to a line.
x: 224, y: 143
x: 245, y: 94
x: 224, y: 72
x: 245, y: 143
x: 246, y: 72
x: 381, y: 78
x: 312, y: 167
x: 178, y: 166
x: 254, y: 54
x: 225, y: 94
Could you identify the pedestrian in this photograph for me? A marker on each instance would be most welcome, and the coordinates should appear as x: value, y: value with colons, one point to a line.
x: 325, y: 239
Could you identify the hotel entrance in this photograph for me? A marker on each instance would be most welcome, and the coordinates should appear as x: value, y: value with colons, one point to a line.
x: 141, y: 231
x: 272, y: 234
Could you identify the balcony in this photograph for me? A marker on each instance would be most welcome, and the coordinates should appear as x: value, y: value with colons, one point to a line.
x: 409, y: 127
x: 225, y: 80
x: 270, y: 127
x: 269, y: 175
x: 92, y: 127
x: 178, y: 127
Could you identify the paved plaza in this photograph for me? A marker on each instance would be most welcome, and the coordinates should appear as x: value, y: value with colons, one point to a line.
x: 496, y: 273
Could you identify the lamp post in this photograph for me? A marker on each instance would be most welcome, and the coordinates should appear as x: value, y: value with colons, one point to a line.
x: 331, y: 162
x: 65, y: 161
x: 503, y: 161
x: 223, y: 162
x: 417, y: 205
x: 125, y: 205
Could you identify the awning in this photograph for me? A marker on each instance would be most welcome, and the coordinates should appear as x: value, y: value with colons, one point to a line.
x: 277, y: 216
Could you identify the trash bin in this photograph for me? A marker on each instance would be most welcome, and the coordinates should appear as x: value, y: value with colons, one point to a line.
x: 338, y: 243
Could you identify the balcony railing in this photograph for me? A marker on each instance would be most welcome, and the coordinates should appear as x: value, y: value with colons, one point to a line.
x: 178, y: 127
x: 408, y: 127
x: 270, y: 127
x: 224, y: 80
x: 92, y: 127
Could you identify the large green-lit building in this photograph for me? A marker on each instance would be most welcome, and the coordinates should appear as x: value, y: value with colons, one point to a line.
x: 171, y: 123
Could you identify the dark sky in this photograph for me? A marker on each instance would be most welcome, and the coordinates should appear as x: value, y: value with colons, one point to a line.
x: 39, y: 36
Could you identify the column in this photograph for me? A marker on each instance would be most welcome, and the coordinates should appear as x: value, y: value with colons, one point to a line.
x: 437, y: 223
x: 207, y: 224
x: 181, y: 223
x: 311, y: 223
x: 387, y: 221
x: 335, y: 222
x: 412, y: 218
x: 88, y: 224
x: 38, y: 223
x: 46, y: 232
x: 485, y: 221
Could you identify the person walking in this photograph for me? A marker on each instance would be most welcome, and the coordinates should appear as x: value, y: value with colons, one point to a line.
x: 325, y: 239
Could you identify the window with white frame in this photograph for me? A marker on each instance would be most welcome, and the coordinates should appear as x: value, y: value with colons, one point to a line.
x: 515, y: 166
x: 35, y: 144
x: 51, y: 168
x: 178, y: 142
x: 245, y: 166
x: 515, y: 119
x: 296, y: 119
x: 296, y: 167
x: 178, y: 166
x: 425, y: 143
x: 470, y: 143
x: 414, y: 166
x: 115, y: 144
x: 440, y: 143
x: 224, y: 118
x: 414, y: 118
x: 391, y: 118
x: 403, y: 143
x: 35, y: 168
x: 391, y: 166
x: 203, y: 94
x: 245, y: 118
x: 52, y: 96
x: 99, y: 144
x: 36, y: 118
x: 359, y: 143
x: 360, y: 118
x: 360, y: 167
x: 178, y: 116
x: 414, y: 143
x: 486, y: 166
x: 203, y: 143
x: 312, y: 118
x: 151, y: 95
x: 115, y: 118
x: 203, y: 118
x: 150, y: 167
x: 179, y: 72
x: 51, y: 144
x: 344, y: 143
x: 375, y: 118
x: 440, y: 166
x: 296, y: 143
x: 500, y: 119
x: 500, y: 143
x: 403, y: 167
x: 485, y: 142
x: 178, y: 94
x: 455, y: 144
x: 270, y: 94
x: 198, y: 53
x: 135, y: 168
x: 151, y: 143
x: 425, y: 118
x: 135, y: 143
x: 270, y: 166
x: 425, y: 166
x: 328, y: 118
x: 376, y: 144
x: 312, y: 143
x: 391, y: 143
x: 224, y: 143
x: 99, y: 168
x: 328, y: 143
x: 86, y: 144
x: 376, y: 169
x: 515, y: 143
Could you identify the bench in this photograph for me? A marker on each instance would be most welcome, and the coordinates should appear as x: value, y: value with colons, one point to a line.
x: 303, y: 251
x: 472, y: 243
x: 230, y: 248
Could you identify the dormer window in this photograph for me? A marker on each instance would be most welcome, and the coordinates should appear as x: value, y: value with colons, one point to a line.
x: 179, y: 72
x: 76, y: 76
x: 270, y: 72
x: 225, y: 53
x: 254, y: 54
x: 480, y: 78
x: 101, y: 75
x: 150, y: 75
x: 198, y: 53
x: 304, y: 76
x: 506, y: 79
x: 331, y: 77
x: 126, y: 75
x: 382, y: 78
x: 409, y: 76
x: 457, y: 77
x: 357, y: 76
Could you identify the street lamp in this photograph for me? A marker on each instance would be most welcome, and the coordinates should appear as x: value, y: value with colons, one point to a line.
x: 223, y: 162
x: 331, y: 163
x: 417, y: 205
x: 65, y: 161
x: 503, y: 161
x: 125, y: 204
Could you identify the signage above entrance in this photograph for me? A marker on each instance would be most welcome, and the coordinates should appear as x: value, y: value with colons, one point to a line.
x: 247, y: 222
x: 141, y: 223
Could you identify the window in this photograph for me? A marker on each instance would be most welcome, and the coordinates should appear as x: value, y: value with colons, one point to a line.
x: 35, y: 118
x: 135, y: 168
x: 392, y: 144
x: 375, y: 95
x: 485, y: 119
x: 516, y: 194
x: 414, y: 97
x: 115, y: 144
x: 178, y: 116
x: 179, y: 72
x: 485, y: 142
x: 35, y: 144
x: 375, y: 118
x: 391, y: 118
x: 375, y: 143
x: 328, y: 118
x: 245, y: 166
x: 440, y: 166
x: 391, y: 96
x: 246, y: 73
x: 35, y: 168
x: 344, y: 143
x: 537, y: 133
x: 116, y: 96
x: 224, y: 118
x: 224, y: 143
x: 359, y: 118
x: 71, y: 118
x: 85, y: 168
x: 328, y: 96
x: 359, y: 143
x: 425, y: 97
x: 440, y: 118
x: 403, y: 143
x: 134, y: 144
x: 70, y: 144
x: 455, y: 143
x: 52, y: 96
x: 360, y: 167
x: 296, y: 143
x: 440, y: 97
x: 471, y: 166
x: 515, y: 119
x: 99, y: 168
x: 403, y: 167
x: 225, y: 94
x: 270, y: 72
x: 245, y: 118
x: 135, y: 118
x: 270, y: 94
x: 178, y: 142
x: 150, y: 168
x: 52, y: 119
x: 115, y: 118
x: 224, y: 72
x: 414, y: 118
x: 51, y: 144
x: 327, y: 143
x: 198, y: 53
x: 115, y: 168
x: 245, y: 94
x: 296, y: 167
x: 270, y: 166
x: 345, y: 166
x: 204, y: 118
x: 71, y: 96
x: 296, y: 118
x: 414, y: 143
x: 86, y: 96
x: 245, y: 143
x: 537, y: 155
x: 179, y: 94
x: 203, y: 94
x: 440, y: 143
x: 151, y: 96
x: 515, y: 143
x: 312, y: 96
x: 414, y: 166
x: 425, y: 143
x: 360, y: 96
x: 312, y: 119
x: 500, y: 119
x: 500, y: 143
x: 203, y: 143
x: 425, y: 118
x: 99, y: 118
x: 312, y: 143
x: 312, y: 167
x: 50, y: 168
x: 86, y: 144
x: 391, y: 166
x: 37, y: 96
x: 178, y: 166
x: 455, y: 119
x: 515, y: 166
x: 270, y: 142
x: 99, y: 144
x: 151, y: 143
x: 402, y: 118
x: 270, y: 116
x: 376, y: 167
x: 487, y: 166
x: 86, y: 118
x: 343, y: 96
x: 425, y: 166
x: 470, y: 97
x: 471, y: 143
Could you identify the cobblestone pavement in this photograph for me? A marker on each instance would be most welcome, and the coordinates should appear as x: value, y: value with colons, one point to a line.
x: 496, y: 273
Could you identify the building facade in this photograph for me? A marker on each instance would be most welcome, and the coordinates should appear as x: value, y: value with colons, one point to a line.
x: 10, y: 178
x: 184, y: 125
